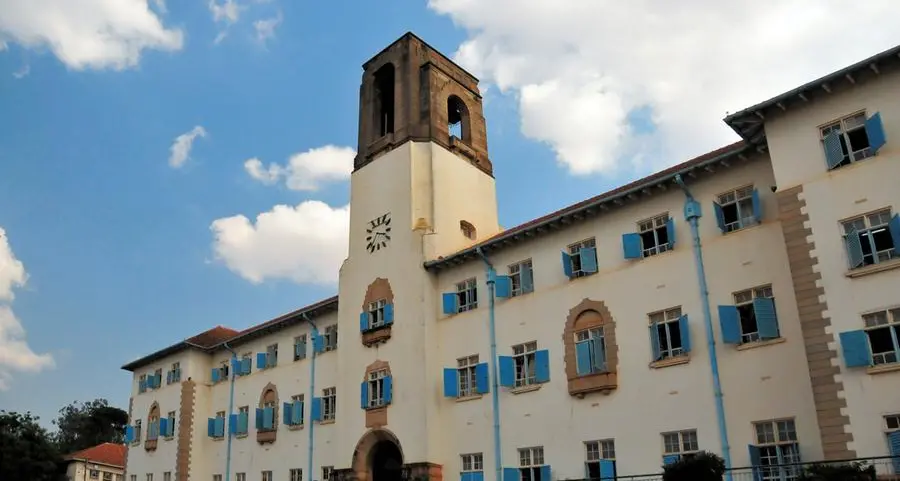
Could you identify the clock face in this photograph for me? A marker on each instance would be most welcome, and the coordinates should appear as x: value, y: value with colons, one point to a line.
x: 378, y: 233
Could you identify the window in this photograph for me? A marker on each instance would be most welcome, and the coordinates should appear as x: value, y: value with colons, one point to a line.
x: 679, y: 444
x: 851, y: 139
x: 219, y: 430
x: 327, y: 472
x: 329, y: 403
x: 171, y: 424
x: 142, y: 383
x: 869, y: 239
x: 149, y: 476
x: 223, y: 371
x: 530, y: 462
x: 666, y: 334
x: 590, y: 351
x: 384, y: 100
x: 883, y: 331
x: 521, y: 277
x: 240, y: 477
x: 272, y: 355
x: 776, y: 448
x: 376, y: 313
x: 174, y: 376
x: 95, y: 474
x: 655, y: 235
x: 330, y: 338
x: 472, y: 463
x: 297, y: 408
x: 243, y: 420
x: 266, y: 476
x: 217, y: 477
x: 153, y: 423
x: 296, y: 474
x: 109, y: 477
x: 157, y: 378
x: 465, y: 371
x: 467, y: 229
x: 270, y: 404
x: 750, y: 313
x: 300, y: 347
x: 376, y: 388
x: 600, y: 459
x: 167, y: 476
x: 892, y: 423
x: 133, y: 477
x: 524, y: 362
x: 737, y: 209
x: 466, y: 295
x: 581, y: 259
x: 137, y: 431
x: 457, y: 118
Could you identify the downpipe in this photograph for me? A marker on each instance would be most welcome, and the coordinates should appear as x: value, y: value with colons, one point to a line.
x: 312, y: 394
x: 692, y: 215
x: 495, y: 383
x: 230, y: 409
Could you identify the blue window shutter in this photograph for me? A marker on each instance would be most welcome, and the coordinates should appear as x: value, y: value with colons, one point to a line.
x: 449, y: 299
x: 243, y: 422
x: 588, y: 259
x: 757, y: 205
x: 684, y: 328
x: 261, y: 360
x: 607, y: 469
x: 298, y: 350
x: 766, y: 320
x: 159, y: 380
x: 388, y: 389
x: 363, y: 321
x: 542, y: 366
x: 215, y: 374
x: 259, y: 418
x: 286, y: 414
x: 566, y: 265
x: 233, y: 427
x: 315, y: 410
x: 245, y: 366
x: 834, y: 153
x: 730, y: 323
x: 875, y: 132
x: 142, y: 386
x: 129, y: 433
x: 364, y: 395
x: 211, y: 427
x: 755, y: 461
x: 720, y: 216
x: 502, y: 286
x: 526, y: 275
x: 894, y: 227
x: 388, y: 314
x: 318, y: 343
x: 583, y: 357
x: 268, y: 418
x: 465, y: 476
x: 477, y: 476
x: 855, y: 345
x: 164, y: 426
x: 297, y: 413
x: 670, y: 459
x: 654, y: 342
x: 511, y: 474
x: 545, y: 473
x: 599, y: 355
x: 236, y: 366
x: 169, y: 377
x: 220, y: 427
x: 481, y: 378
x: 507, y: 371
x: 894, y: 441
x: 451, y: 382
x: 631, y: 246
x: 670, y: 232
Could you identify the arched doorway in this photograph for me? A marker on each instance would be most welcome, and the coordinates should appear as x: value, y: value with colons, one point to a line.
x: 378, y: 457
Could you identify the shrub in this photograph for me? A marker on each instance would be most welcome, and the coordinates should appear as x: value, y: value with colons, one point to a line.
x: 704, y: 466
x: 838, y: 472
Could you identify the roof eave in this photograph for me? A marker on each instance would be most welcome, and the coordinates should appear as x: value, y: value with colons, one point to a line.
x: 294, y: 317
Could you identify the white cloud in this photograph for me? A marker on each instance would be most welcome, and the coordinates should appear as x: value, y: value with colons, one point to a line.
x: 306, y: 170
x: 578, y: 68
x: 85, y: 34
x: 265, y: 29
x: 22, y: 72
x: 181, y: 148
x: 15, y: 354
x: 160, y: 6
x: 227, y: 13
x: 305, y: 244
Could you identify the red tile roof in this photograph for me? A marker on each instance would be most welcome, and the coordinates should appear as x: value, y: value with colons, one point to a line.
x: 106, y: 453
x: 212, y: 337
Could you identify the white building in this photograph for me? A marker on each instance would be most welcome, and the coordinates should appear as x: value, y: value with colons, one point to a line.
x: 608, y: 349
x: 104, y: 462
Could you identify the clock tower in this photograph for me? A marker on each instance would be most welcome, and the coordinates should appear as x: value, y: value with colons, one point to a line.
x: 422, y: 187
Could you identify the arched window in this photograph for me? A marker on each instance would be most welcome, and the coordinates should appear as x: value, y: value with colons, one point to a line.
x: 467, y: 229
x: 152, y: 427
x: 384, y: 99
x: 267, y: 417
x: 457, y: 118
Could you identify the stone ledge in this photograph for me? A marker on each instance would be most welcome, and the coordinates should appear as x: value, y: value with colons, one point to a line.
x: 756, y: 344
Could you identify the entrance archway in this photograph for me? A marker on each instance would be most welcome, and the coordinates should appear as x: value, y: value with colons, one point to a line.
x: 378, y: 457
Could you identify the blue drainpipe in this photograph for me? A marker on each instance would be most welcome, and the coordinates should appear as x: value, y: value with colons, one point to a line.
x: 692, y: 215
x: 230, y: 409
x: 312, y: 394
x: 495, y: 395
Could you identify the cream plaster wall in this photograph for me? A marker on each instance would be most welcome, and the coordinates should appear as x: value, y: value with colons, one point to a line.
x: 846, y: 192
x: 168, y: 397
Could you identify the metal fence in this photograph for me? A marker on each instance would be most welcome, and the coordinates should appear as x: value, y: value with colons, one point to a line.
x: 886, y: 469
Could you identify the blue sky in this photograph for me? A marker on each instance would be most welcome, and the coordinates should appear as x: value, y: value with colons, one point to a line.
x: 123, y: 253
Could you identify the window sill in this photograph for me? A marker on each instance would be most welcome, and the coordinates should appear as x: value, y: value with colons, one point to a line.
x: 883, y: 368
x: 150, y: 445
x: 169, y: 438
x: 376, y: 335
x: 524, y: 389
x: 873, y: 269
x: 672, y: 361
x: 577, y: 278
x: 375, y: 408
x: 222, y: 438
x: 295, y: 427
x: 241, y: 435
x: 744, y: 229
x: 327, y: 421
x: 755, y: 344
x: 468, y: 398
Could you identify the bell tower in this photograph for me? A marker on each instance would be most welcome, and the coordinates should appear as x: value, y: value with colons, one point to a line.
x: 412, y: 92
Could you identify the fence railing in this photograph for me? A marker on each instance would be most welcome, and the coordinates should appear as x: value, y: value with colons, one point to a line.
x: 886, y: 469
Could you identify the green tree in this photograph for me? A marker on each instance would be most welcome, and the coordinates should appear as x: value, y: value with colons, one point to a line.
x: 26, y: 449
x: 83, y: 425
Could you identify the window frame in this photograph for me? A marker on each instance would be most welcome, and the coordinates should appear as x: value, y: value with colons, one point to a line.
x: 654, y: 225
x: 515, y: 277
x: 467, y: 290
x: 524, y: 364
x: 850, y: 156
x: 742, y: 200
x: 666, y: 322
x: 866, y: 237
x: 574, y: 251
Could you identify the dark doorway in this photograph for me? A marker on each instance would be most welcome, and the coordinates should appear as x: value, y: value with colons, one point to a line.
x: 384, y: 99
x: 387, y: 462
